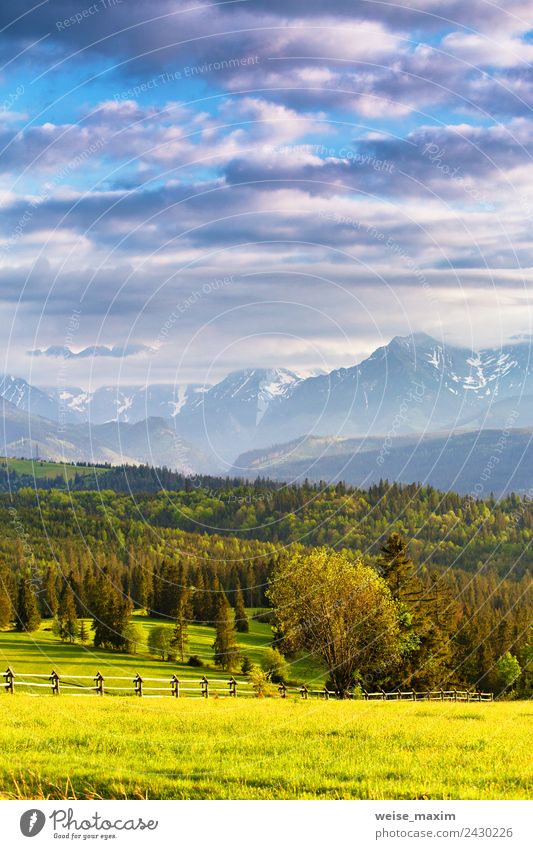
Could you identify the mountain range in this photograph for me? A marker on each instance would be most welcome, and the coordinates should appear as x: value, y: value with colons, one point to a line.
x: 413, y: 385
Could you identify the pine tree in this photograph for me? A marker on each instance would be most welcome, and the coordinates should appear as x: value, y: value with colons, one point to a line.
x: 198, y: 599
x: 51, y: 602
x: 67, y: 615
x: 180, y: 636
x: 241, y: 619
x: 83, y: 632
x: 6, y: 608
x: 112, y: 613
x: 398, y: 570
x: 28, y: 616
x: 227, y: 654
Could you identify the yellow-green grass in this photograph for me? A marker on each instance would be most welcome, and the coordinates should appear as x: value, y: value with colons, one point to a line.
x: 42, y: 651
x: 47, y: 469
x: 60, y: 747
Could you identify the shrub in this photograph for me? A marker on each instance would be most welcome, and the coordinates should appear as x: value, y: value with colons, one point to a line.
x: 194, y: 660
x: 274, y: 666
x: 159, y: 640
x: 246, y: 665
x: 266, y: 616
x: 260, y: 683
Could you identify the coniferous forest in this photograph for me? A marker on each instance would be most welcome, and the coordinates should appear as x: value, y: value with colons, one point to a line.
x: 457, y: 569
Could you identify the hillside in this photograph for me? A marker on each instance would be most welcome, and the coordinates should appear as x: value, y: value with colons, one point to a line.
x: 475, y: 462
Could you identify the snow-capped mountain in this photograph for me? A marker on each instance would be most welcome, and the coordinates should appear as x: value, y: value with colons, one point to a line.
x: 226, y: 417
x: 415, y: 384
x: 29, y: 399
x: 124, y: 403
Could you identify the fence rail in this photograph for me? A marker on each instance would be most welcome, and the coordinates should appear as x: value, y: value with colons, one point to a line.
x: 143, y: 687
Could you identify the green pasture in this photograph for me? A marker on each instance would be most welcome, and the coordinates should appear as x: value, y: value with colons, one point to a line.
x: 45, y: 469
x: 42, y: 651
x: 60, y: 747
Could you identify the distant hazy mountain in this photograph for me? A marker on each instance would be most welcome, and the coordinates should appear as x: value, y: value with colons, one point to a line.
x: 123, y: 404
x: 473, y: 462
x: 153, y: 441
x: 415, y: 384
x: 226, y: 419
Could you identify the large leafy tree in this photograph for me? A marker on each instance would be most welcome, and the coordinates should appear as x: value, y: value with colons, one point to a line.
x: 339, y: 610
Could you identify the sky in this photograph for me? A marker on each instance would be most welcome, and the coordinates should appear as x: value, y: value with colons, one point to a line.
x: 199, y: 187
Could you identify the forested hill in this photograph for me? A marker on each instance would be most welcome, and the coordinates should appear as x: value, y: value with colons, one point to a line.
x: 148, y: 546
x: 444, y: 529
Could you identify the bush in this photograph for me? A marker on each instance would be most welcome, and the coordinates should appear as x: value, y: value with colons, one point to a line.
x: 134, y: 636
x: 194, y: 660
x: 159, y: 640
x: 246, y: 665
x: 274, y: 666
x: 266, y: 616
x: 260, y: 683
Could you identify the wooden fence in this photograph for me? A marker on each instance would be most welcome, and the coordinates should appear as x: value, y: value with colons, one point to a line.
x: 142, y: 687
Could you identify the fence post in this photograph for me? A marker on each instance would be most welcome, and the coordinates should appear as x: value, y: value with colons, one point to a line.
x: 175, y: 686
x: 304, y: 691
x: 455, y: 694
x: 325, y: 693
x: 54, y: 678
x: 383, y: 694
x: 442, y: 695
x: 232, y: 684
x: 138, y: 682
x: 9, y: 675
x: 99, y: 681
x: 413, y: 695
x: 204, y: 684
x: 282, y: 690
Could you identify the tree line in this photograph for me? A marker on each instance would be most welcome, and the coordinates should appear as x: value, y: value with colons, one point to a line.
x: 69, y: 556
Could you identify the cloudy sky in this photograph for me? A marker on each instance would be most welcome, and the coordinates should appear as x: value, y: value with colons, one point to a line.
x: 201, y: 186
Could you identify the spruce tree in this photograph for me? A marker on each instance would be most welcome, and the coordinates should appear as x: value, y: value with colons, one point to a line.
x: 6, y: 608
x: 67, y: 615
x: 112, y: 611
x: 241, y: 619
x: 398, y: 570
x: 227, y: 654
x: 28, y: 616
x: 180, y: 635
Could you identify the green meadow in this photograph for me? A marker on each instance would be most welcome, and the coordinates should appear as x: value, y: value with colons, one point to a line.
x: 244, y: 748
x: 46, y: 469
x: 263, y: 749
x: 42, y: 651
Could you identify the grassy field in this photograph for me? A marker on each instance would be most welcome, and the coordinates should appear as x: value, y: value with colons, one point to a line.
x: 46, y: 469
x: 262, y: 749
x: 246, y: 748
x: 41, y: 652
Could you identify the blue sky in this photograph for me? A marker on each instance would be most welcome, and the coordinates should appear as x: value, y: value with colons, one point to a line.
x: 353, y: 170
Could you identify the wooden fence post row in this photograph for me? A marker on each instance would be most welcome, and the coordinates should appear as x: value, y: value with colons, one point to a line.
x: 174, y: 683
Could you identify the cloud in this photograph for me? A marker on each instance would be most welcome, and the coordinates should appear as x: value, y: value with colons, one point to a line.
x: 120, y: 351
